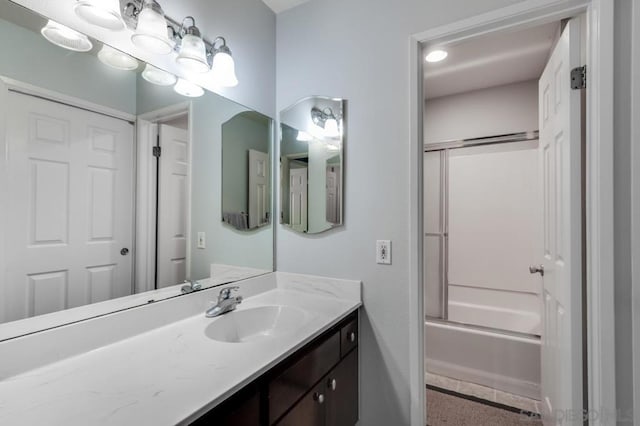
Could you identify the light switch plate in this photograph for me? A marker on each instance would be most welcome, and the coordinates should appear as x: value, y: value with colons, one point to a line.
x: 383, y: 252
x: 202, y: 243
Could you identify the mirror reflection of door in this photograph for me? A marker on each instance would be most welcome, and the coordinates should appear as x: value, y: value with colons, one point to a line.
x: 333, y: 190
x: 173, y: 202
x: 71, y: 171
x: 258, y: 188
x: 298, y: 198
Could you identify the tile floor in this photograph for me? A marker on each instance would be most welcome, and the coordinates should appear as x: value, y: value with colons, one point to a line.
x: 483, y: 392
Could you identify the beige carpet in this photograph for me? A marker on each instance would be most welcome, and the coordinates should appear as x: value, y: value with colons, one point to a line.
x: 444, y: 409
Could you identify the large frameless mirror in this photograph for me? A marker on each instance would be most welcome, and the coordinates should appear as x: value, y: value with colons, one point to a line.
x: 111, y: 179
x: 311, y: 164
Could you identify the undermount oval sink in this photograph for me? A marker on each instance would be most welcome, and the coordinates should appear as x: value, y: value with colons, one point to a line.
x: 253, y: 324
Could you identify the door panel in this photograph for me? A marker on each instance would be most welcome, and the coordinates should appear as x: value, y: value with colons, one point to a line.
x: 298, y: 199
x: 258, y: 188
x: 173, y: 202
x: 560, y: 181
x: 70, y: 186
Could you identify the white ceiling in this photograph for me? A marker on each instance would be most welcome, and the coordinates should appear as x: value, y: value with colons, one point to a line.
x: 492, y: 60
x: 280, y: 5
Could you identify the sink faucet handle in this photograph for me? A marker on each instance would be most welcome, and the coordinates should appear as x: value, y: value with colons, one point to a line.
x: 225, y: 293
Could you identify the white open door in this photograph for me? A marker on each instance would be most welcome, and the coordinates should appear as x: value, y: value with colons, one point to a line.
x: 298, y: 199
x: 560, y: 179
x: 258, y: 188
x: 69, y: 204
x: 333, y: 194
x: 173, y: 204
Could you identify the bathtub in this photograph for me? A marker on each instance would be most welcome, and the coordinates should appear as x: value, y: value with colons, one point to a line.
x: 502, y: 361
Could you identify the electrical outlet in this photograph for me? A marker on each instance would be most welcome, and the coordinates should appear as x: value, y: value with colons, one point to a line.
x: 383, y: 252
x: 202, y: 243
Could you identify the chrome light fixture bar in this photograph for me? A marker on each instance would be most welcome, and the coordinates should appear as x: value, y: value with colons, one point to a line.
x: 195, y: 53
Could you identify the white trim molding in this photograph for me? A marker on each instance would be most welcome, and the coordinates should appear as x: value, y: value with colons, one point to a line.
x: 599, y: 239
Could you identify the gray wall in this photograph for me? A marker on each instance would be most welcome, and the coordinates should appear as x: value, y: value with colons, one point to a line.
x: 622, y: 195
x: 368, y: 64
x: 365, y: 49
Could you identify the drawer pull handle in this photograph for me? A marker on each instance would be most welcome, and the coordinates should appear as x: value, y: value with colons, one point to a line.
x: 318, y: 397
x: 332, y: 384
x: 352, y: 337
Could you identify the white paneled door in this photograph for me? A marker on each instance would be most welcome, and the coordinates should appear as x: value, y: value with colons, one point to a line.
x: 258, y: 188
x: 173, y: 202
x: 298, y: 199
x: 69, y: 207
x: 559, y: 156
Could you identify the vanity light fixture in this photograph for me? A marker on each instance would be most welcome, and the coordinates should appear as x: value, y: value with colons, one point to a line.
x: 157, y: 76
x: 436, y: 55
x: 326, y: 120
x: 103, y: 13
x: 192, y: 51
x: 65, y: 37
x: 117, y: 59
x: 151, y: 33
x: 187, y: 88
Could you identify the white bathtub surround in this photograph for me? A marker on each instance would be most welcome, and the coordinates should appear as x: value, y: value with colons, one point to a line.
x: 504, y: 362
x: 153, y: 365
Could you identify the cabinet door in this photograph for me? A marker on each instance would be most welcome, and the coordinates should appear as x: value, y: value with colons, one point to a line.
x: 242, y: 409
x: 341, y: 387
x: 310, y: 410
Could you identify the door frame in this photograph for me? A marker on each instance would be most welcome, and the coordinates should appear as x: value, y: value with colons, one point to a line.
x: 599, y: 309
x: 146, y: 200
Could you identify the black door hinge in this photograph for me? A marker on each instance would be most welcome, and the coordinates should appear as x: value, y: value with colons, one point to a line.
x: 579, y: 78
x: 157, y: 151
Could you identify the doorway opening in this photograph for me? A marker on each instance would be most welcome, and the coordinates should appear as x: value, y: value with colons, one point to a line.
x: 164, y: 197
x: 503, y: 203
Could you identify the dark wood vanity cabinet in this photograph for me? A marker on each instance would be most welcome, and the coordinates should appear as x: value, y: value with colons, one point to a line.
x: 315, y: 386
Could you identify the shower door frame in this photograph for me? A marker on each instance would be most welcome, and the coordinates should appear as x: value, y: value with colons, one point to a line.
x: 599, y: 341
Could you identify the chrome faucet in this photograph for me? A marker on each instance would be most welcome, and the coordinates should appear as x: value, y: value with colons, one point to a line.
x: 225, y: 304
x: 190, y: 286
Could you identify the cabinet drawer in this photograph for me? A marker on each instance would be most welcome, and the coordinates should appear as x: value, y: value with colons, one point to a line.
x: 309, y: 411
x: 348, y: 337
x: 298, y: 379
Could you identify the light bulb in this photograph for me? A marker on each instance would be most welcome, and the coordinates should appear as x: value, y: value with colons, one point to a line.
x: 65, y: 37
x: 103, y: 13
x: 331, y: 128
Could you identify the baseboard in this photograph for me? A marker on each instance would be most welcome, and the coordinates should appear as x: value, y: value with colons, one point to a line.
x: 495, y: 381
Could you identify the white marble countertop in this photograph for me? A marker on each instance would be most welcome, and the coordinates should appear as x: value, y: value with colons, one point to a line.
x: 171, y: 374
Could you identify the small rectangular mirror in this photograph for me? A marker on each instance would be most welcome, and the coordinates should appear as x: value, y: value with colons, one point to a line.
x: 311, y: 164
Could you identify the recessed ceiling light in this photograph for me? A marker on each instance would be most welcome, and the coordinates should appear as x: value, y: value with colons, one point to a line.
x: 117, y: 59
x: 65, y: 37
x: 436, y: 55
x: 157, y: 76
x: 187, y: 88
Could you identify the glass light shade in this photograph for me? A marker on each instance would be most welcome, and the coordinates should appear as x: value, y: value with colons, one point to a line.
x: 186, y: 88
x: 151, y: 32
x: 103, y: 13
x: 224, y: 70
x: 65, y: 37
x: 193, y: 54
x: 157, y: 76
x: 331, y: 128
x: 117, y: 59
